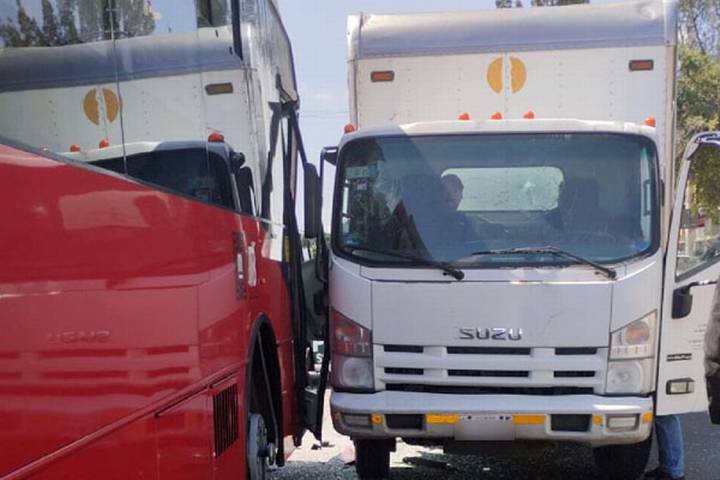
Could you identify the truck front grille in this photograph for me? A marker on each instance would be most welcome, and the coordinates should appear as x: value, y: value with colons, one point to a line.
x: 488, y: 351
x: 489, y: 373
x: 463, y: 390
x: 491, y: 370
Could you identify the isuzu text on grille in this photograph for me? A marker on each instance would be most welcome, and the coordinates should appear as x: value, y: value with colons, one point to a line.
x: 497, y: 333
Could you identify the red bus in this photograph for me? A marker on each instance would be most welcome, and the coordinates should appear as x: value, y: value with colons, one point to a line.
x: 157, y: 296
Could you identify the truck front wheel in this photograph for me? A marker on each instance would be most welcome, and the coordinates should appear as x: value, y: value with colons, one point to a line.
x: 372, y: 458
x: 623, y: 462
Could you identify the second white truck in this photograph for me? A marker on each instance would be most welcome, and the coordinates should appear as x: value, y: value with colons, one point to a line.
x: 510, y: 262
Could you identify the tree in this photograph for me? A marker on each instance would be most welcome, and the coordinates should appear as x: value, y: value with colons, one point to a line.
x: 699, y: 25
x: 698, y: 97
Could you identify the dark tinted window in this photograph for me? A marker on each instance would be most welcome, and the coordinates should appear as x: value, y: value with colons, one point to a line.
x: 193, y: 172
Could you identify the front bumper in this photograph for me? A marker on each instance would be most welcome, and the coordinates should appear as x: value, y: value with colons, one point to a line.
x: 495, y: 417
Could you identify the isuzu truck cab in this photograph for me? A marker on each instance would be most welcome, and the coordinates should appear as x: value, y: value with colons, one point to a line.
x: 513, y: 262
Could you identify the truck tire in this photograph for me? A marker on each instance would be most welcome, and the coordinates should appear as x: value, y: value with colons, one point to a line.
x: 372, y: 459
x: 623, y: 462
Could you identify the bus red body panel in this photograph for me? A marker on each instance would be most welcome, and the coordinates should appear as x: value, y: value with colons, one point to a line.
x: 133, y: 321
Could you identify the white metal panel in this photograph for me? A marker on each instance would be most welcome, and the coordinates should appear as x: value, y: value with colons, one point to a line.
x: 637, y: 292
x: 551, y: 315
x: 350, y: 294
x: 583, y: 84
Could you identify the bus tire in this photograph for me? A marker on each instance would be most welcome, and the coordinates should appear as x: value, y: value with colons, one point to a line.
x: 260, y: 448
x: 372, y: 459
x: 623, y: 462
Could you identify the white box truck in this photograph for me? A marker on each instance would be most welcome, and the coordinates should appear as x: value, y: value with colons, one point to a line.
x: 511, y: 261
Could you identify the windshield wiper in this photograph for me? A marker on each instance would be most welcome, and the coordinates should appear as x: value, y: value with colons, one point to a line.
x: 456, y: 273
x: 607, y: 271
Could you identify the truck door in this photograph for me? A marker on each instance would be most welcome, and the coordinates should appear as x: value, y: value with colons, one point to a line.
x: 692, y: 266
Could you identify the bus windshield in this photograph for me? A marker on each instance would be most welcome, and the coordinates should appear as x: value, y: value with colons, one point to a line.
x: 464, y: 199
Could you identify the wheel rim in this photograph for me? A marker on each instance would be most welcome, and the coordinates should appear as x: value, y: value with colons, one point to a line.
x: 257, y: 448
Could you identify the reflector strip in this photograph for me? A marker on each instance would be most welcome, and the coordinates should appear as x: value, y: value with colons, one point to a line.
x: 529, y: 419
x: 641, y: 65
x: 382, y: 76
x: 444, y: 419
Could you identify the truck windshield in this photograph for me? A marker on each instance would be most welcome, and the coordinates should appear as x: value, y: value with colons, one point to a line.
x: 446, y: 198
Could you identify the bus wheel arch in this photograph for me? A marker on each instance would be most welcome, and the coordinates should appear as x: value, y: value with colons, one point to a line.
x: 263, y: 402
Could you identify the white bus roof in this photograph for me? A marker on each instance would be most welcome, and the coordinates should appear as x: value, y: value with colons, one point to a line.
x: 644, y: 22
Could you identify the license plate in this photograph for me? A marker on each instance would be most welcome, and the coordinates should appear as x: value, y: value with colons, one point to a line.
x: 485, y: 427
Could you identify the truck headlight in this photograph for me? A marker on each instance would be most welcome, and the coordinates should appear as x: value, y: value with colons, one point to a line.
x: 636, y: 340
x: 629, y: 377
x: 352, y: 361
x: 632, y: 352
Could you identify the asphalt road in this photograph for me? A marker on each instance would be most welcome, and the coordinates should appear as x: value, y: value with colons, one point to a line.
x: 334, y: 461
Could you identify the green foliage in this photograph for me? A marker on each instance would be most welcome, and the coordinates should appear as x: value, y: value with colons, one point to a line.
x: 698, y: 100
x: 698, y: 94
x: 699, y: 23
x: 706, y: 183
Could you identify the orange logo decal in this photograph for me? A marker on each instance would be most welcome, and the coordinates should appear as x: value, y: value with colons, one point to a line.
x: 495, y: 74
x: 105, y: 104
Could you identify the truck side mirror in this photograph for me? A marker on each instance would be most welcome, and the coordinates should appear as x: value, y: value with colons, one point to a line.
x: 237, y: 160
x: 683, y: 300
x: 313, y: 190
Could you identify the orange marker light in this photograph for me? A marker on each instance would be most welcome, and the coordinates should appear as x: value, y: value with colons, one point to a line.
x: 641, y: 65
x: 104, y: 143
x: 74, y: 147
x: 349, y: 128
x: 651, y: 122
x: 382, y: 76
x: 464, y: 116
x: 216, y: 137
x: 529, y: 115
x: 496, y: 116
